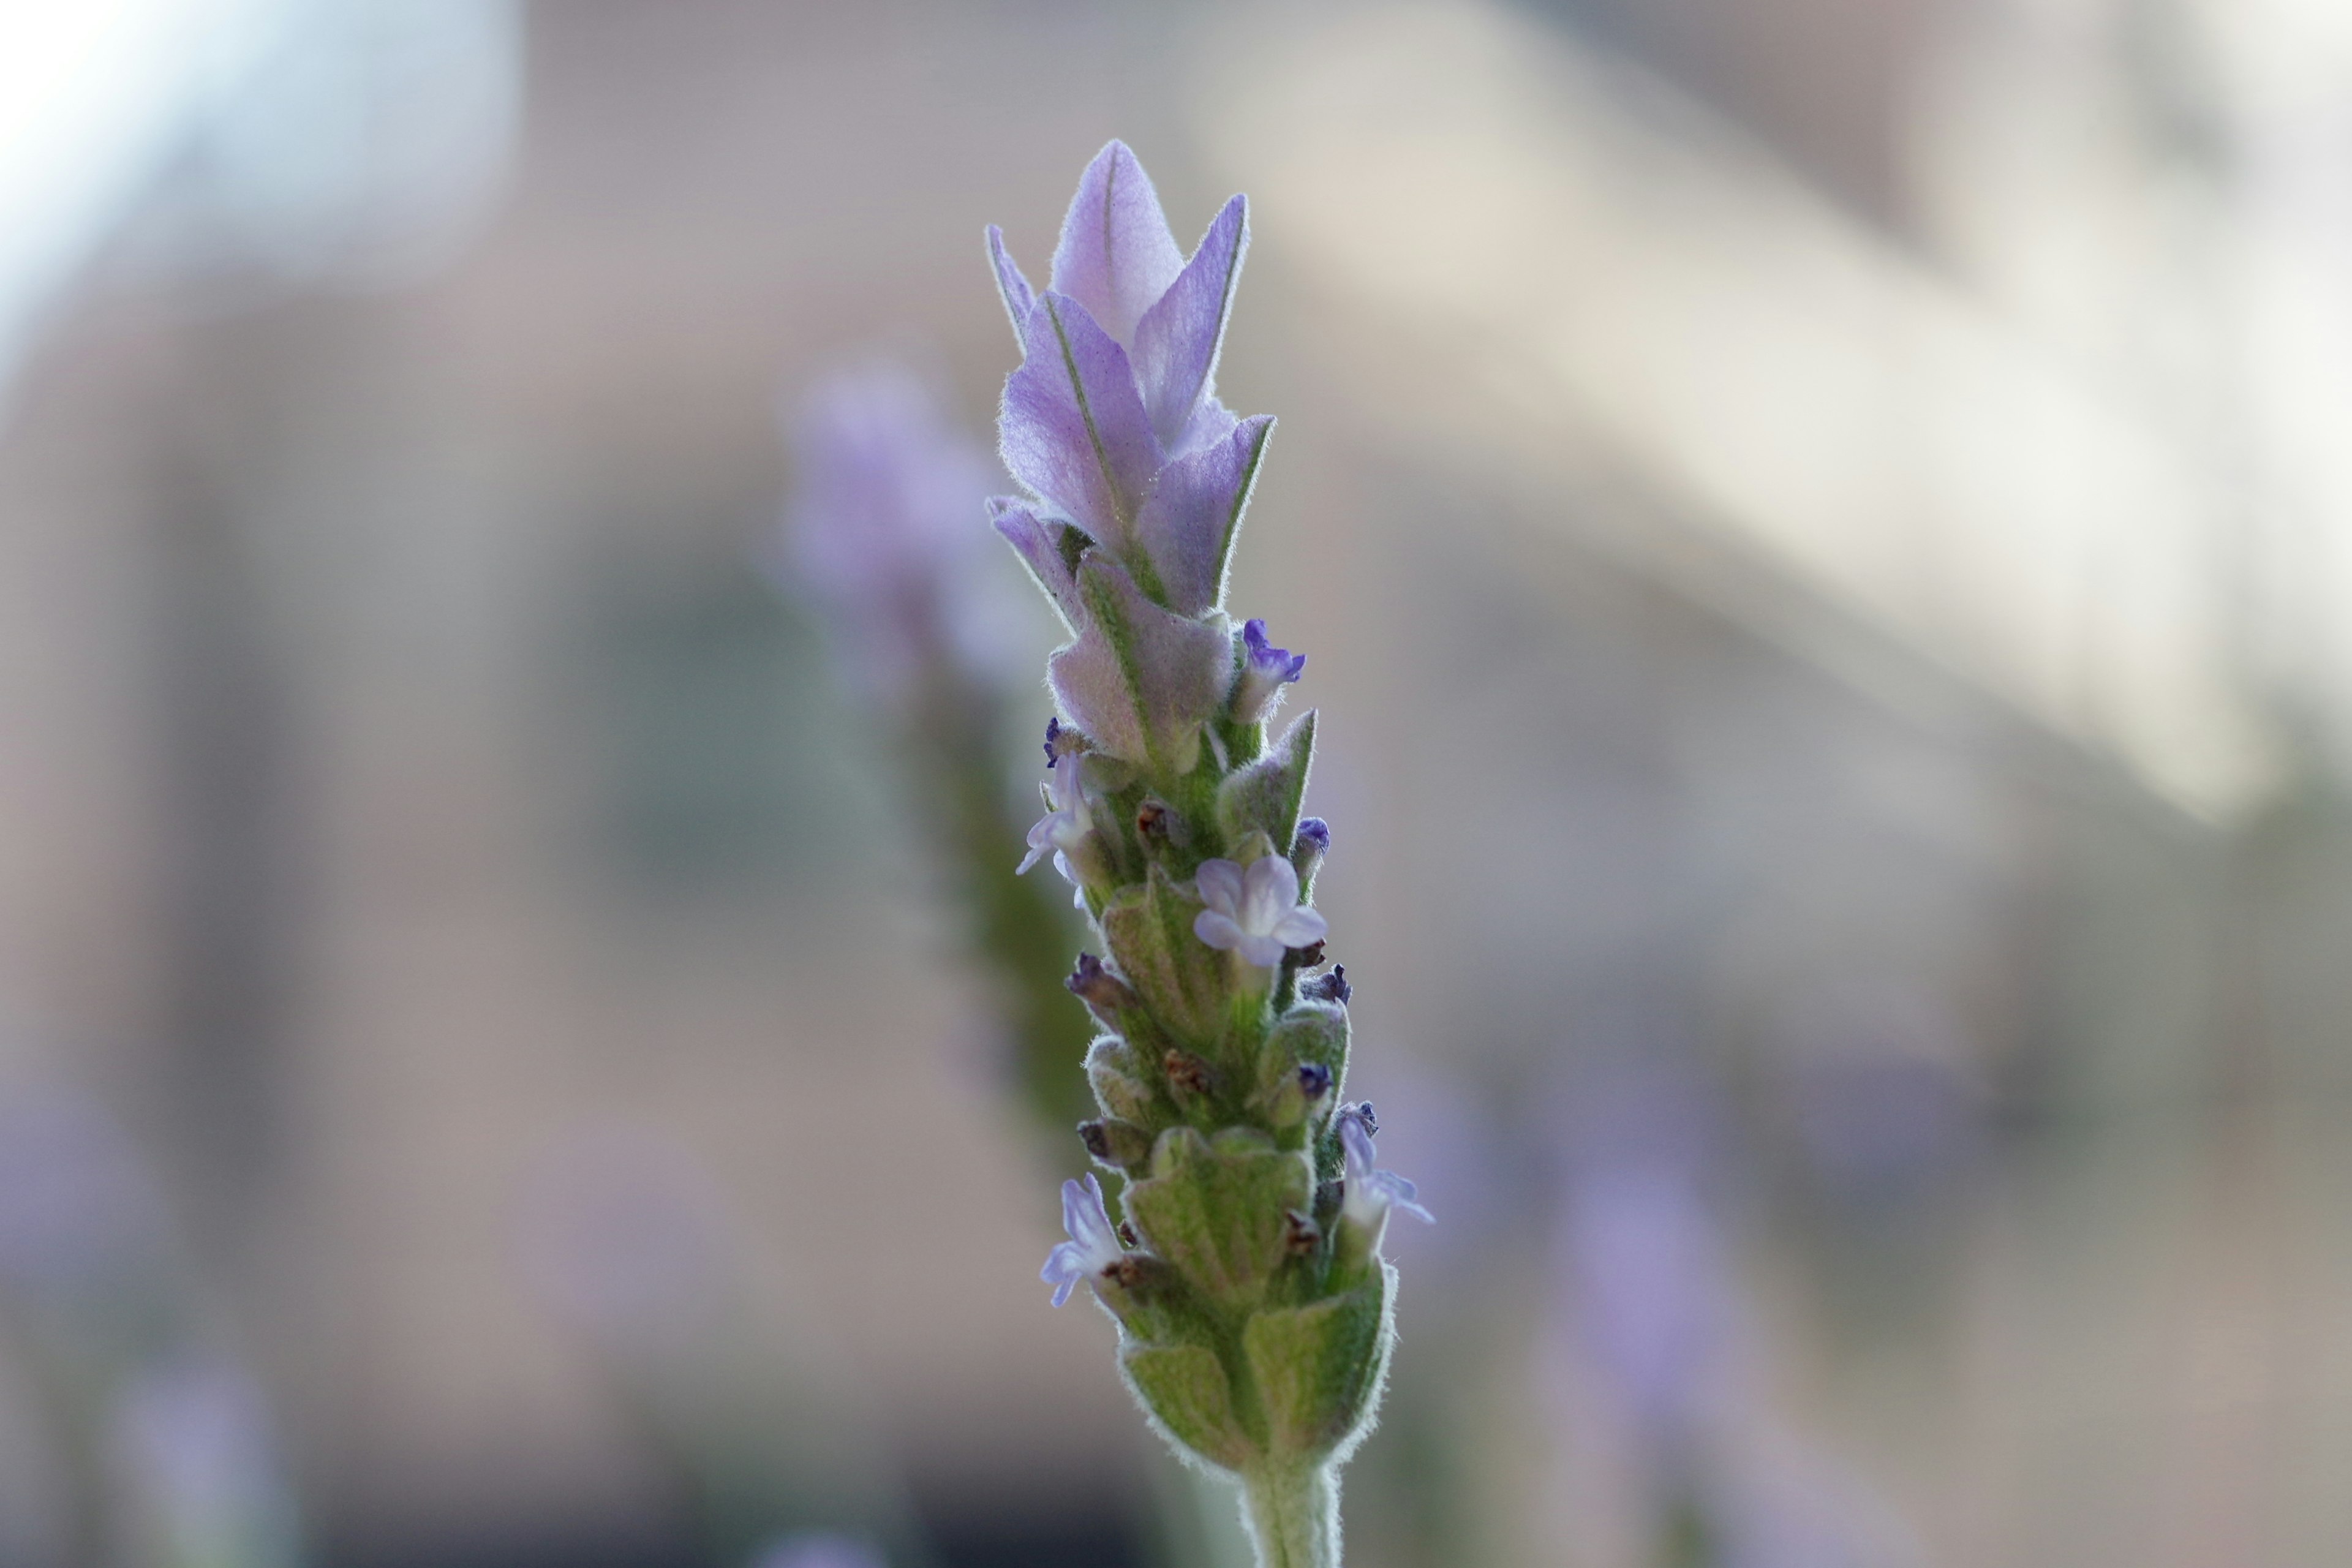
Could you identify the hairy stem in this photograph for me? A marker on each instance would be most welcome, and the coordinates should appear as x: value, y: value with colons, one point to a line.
x: 1294, y: 1516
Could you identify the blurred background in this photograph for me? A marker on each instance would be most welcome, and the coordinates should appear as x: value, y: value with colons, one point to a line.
x: 1824, y: 533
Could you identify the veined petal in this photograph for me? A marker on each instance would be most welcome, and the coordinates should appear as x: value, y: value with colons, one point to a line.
x: 1140, y: 680
x: 1035, y: 540
x: 1178, y: 340
x: 1269, y: 892
x: 1074, y: 429
x: 1192, y: 511
x: 1019, y: 298
x: 1219, y: 886
x: 1117, y: 257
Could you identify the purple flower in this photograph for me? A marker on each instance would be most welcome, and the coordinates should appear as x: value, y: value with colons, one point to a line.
x: 1254, y: 912
x: 881, y: 527
x: 819, y: 1549
x: 1093, y: 1245
x: 1112, y: 422
x: 1369, y: 1194
x: 1066, y: 821
x: 1265, y: 670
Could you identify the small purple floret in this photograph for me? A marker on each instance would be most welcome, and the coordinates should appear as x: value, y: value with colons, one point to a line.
x: 1331, y: 987
x: 1254, y: 912
x: 1369, y: 1194
x: 1265, y: 670
x: 1093, y: 1245
x: 1315, y: 834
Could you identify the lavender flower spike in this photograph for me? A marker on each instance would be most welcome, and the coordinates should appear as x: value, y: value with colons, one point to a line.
x: 1093, y: 1245
x: 1254, y: 911
x: 1253, y: 1304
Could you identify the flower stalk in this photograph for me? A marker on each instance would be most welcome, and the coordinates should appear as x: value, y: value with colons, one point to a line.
x: 1245, y: 1267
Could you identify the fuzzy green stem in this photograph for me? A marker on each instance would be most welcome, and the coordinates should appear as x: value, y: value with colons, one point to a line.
x: 1294, y: 1516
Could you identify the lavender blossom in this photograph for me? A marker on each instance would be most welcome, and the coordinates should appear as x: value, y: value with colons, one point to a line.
x: 1264, y: 672
x: 1093, y: 1245
x: 1253, y: 1300
x: 880, y: 530
x: 1068, y: 825
x: 819, y: 1549
x: 1370, y: 1193
x: 1254, y: 911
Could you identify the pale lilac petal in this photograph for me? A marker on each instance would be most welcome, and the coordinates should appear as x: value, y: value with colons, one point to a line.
x: 1270, y: 891
x: 1177, y: 341
x: 1398, y: 1193
x: 1092, y: 1245
x: 1019, y: 298
x: 1117, y: 257
x: 1265, y: 952
x: 1033, y: 538
x: 1218, y: 930
x: 1084, y: 1216
x: 1193, y: 509
x: 1301, y: 928
x: 1139, y: 681
x: 1073, y: 428
x: 1220, y: 885
x: 1064, y: 1267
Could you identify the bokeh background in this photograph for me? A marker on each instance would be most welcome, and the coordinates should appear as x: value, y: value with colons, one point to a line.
x: 1823, y: 529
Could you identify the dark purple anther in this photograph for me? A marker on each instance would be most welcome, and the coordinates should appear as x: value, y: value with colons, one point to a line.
x: 1313, y: 1079
x: 1052, y: 734
x: 1331, y: 987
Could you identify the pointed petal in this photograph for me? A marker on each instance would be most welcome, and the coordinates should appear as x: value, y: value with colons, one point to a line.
x: 1074, y: 429
x: 1117, y: 257
x: 1192, y: 513
x: 1038, y: 545
x: 1139, y: 681
x: 1178, y: 340
x: 1019, y: 298
x: 1219, y: 886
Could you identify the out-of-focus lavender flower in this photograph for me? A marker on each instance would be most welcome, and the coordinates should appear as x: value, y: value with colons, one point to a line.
x: 1093, y: 1245
x: 1879, y: 1091
x: 1265, y: 670
x: 1370, y: 1193
x: 821, y: 1550
x: 628, y: 1239
x: 195, y: 1459
x: 887, y: 492
x: 1254, y: 911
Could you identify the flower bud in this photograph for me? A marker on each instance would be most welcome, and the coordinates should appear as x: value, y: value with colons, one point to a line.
x: 1120, y: 1145
x: 1105, y: 994
x: 1308, y: 849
